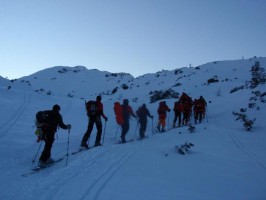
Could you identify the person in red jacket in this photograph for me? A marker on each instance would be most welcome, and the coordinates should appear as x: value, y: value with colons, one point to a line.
x: 163, y: 108
x: 178, y: 109
x: 127, y: 113
x: 94, y: 112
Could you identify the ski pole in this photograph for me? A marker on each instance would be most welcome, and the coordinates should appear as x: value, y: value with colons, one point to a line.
x: 33, y: 161
x: 117, y: 130
x: 207, y: 114
x: 104, y: 132
x: 67, y: 146
x: 152, y: 126
x: 139, y: 128
x: 136, y: 128
x: 168, y: 121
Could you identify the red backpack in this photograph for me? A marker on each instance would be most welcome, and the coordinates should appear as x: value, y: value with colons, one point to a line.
x: 161, y: 109
x: 118, y: 113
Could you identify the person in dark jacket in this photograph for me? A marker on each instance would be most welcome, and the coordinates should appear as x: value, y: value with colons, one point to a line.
x: 49, y: 130
x: 178, y: 109
x: 95, y: 119
x: 204, y: 104
x: 142, y: 114
x: 127, y: 112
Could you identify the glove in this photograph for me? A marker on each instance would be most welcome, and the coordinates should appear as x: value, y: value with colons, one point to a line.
x: 69, y: 126
x: 106, y: 119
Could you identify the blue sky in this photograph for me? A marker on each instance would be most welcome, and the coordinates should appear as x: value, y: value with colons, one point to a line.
x: 134, y: 36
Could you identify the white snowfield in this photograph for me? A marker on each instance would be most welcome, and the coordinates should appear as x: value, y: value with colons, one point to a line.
x: 227, y: 162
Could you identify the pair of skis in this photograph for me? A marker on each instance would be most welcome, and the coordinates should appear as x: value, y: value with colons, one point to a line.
x: 40, y: 168
x: 128, y: 141
x: 132, y: 140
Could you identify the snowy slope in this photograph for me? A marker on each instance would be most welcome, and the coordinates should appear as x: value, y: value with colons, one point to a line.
x: 77, y: 82
x: 3, y: 82
x: 227, y: 162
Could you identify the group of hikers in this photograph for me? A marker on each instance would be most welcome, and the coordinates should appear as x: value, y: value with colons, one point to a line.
x: 182, y: 111
x: 123, y: 113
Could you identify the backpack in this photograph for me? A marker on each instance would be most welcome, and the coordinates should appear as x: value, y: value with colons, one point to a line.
x: 42, y: 117
x: 161, y: 109
x: 141, y: 112
x: 178, y: 106
x: 200, y: 105
x: 187, y: 106
x: 92, y: 108
x: 42, y: 120
x: 118, y: 113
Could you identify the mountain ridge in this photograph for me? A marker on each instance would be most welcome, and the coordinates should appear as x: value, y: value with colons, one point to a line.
x: 80, y: 82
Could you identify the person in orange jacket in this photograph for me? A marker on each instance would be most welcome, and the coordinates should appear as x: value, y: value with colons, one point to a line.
x: 163, y: 108
x: 199, y: 109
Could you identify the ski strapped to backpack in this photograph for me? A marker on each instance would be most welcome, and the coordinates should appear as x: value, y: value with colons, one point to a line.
x: 42, y: 120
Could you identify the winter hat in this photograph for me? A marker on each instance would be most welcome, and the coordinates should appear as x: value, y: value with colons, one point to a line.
x: 98, y: 98
x: 56, y: 107
x: 125, y: 102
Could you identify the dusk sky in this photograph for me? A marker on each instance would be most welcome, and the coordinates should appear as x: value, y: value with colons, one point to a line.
x: 133, y: 36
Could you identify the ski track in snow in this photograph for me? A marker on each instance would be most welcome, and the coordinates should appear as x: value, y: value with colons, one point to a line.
x: 98, y: 184
x: 239, y: 145
x: 7, y: 125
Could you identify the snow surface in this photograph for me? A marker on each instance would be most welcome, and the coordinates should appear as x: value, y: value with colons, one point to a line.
x: 227, y: 162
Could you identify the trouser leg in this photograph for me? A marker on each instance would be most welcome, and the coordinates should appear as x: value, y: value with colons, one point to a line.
x: 46, y: 153
x: 125, y: 128
x: 99, y: 132
x: 88, y: 132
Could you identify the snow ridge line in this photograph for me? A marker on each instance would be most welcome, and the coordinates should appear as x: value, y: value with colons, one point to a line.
x: 106, y: 176
x: 6, y: 126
